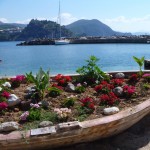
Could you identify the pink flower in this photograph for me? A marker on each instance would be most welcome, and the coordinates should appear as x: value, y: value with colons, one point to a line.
x: 146, y: 75
x: 3, y: 105
x: 18, y: 78
x: 79, y: 84
x: 5, y: 94
x: 129, y: 90
x: 24, y: 116
x: 34, y: 105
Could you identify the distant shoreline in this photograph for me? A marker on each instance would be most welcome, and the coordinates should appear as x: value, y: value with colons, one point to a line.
x: 90, y: 40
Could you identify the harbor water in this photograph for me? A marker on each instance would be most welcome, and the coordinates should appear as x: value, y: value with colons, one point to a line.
x: 65, y: 59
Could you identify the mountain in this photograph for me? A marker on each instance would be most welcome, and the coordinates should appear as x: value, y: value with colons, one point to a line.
x: 92, y: 28
x: 43, y: 29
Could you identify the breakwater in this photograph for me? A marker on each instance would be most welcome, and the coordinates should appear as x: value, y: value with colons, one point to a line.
x: 108, y: 40
x: 89, y: 40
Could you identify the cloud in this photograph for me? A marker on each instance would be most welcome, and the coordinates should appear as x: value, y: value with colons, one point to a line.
x: 66, y: 18
x: 4, y: 20
x: 136, y: 24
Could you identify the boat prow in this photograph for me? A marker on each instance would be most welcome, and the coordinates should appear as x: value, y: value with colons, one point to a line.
x: 74, y: 132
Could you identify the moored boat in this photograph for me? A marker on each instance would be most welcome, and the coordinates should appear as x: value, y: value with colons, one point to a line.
x: 61, y: 42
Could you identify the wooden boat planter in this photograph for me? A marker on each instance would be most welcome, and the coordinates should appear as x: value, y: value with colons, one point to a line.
x: 74, y: 132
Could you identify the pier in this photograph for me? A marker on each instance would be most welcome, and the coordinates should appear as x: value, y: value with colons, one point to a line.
x: 91, y: 40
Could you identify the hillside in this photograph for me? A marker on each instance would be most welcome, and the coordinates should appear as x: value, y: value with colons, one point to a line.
x: 43, y: 29
x: 5, y: 26
x: 92, y: 28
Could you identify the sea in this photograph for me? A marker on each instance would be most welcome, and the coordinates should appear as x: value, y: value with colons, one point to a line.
x: 66, y: 59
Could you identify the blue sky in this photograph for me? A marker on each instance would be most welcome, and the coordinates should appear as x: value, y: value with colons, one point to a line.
x: 120, y: 15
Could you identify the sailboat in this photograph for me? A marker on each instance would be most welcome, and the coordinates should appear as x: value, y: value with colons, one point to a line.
x: 60, y: 41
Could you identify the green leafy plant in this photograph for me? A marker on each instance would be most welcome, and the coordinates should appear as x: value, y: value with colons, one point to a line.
x: 140, y: 62
x: 48, y: 116
x: 80, y: 89
x: 34, y: 114
x: 91, y: 72
x: 54, y: 91
x: 69, y: 102
x: 146, y: 86
x: 41, y: 81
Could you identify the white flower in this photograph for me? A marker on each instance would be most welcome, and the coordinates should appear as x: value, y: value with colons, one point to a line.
x: 0, y: 89
x: 7, y: 84
x: 62, y: 112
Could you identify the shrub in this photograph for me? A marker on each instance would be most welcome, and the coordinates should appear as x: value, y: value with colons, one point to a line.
x: 15, y: 82
x: 41, y: 81
x: 104, y: 87
x: 133, y: 78
x: 54, y: 91
x: 62, y: 80
x: 128, y: 91
x: 33, y: 114
x: 91, y: 72
x: 57, y: 86
x: 146, y: 77
x: 80, y: 88
x: 5, y: 94
x: 117, y: 82
x: 3, y: 105
x: 109, y: 99
x: 146, y: 86
x: 62, y: 113
x: 69, y: 102
x: 87, y: 105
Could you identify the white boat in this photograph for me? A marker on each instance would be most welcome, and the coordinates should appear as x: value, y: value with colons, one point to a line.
x: 60, y: 41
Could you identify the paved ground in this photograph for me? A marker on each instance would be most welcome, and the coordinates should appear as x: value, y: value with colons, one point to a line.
x: 135, y: 138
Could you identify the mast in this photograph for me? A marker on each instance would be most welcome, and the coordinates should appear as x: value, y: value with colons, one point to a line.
x: 59, y: 20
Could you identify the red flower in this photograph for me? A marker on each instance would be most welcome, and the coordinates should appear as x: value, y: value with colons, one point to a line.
x: 91, y: 106
x: 59, y: 87
x: 117, y: 82
x: 18, y: 78
x: 5, y: 94
x: 62, y: 80
x: 67, y: 78
x: 128, y: 90
x: 3, y: 105
x: 58, y: 77
x: 109, y: 99
x: 88, y: 103
x: 133, y: 78
x: 104, y: 87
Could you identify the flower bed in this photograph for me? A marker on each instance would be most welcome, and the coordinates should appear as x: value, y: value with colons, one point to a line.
x: 30, y: 100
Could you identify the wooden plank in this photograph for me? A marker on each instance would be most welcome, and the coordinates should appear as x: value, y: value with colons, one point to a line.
x: 42, y: 131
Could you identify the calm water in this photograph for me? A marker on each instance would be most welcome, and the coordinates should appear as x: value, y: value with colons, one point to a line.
x: 67, y: 58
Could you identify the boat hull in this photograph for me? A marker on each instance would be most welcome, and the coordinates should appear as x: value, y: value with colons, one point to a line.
x: 87, y: 131
x: 61, y: 42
